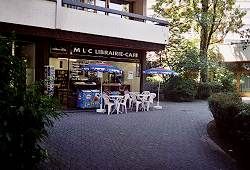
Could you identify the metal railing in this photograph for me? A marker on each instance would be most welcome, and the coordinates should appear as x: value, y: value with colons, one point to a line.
x: 80, y: 5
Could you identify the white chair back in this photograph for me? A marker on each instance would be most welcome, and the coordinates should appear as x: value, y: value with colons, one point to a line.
x: 126, y: 97
x: 106, y: 99
x: 132, y: 95
x: 151, y: 97
x: 146, y: 92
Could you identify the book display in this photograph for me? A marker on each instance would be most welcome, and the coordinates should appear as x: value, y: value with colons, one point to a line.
x: 49, y: 77
x: 61, y: 82
x: 61, y: 79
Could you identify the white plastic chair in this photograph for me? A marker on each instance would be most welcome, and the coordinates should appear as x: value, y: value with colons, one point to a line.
x: 146, y: 93
x: 108, y: 103
x: 123, y: 102
x: 150, y: 100
x: 133, y: 100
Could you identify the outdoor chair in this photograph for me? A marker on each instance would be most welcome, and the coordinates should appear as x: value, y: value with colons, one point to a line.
x: 123, y: 103
x: 132, y: 97
x: 146, y: 93
x: 150, y: 100
x: 108, y: 103
x: 133, y: 100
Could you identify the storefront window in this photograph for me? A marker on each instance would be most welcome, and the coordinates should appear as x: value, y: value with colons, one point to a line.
x: 26, y: 50
x: 70, y: 79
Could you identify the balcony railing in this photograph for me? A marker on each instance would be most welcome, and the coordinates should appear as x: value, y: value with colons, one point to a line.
x: 81, y: 6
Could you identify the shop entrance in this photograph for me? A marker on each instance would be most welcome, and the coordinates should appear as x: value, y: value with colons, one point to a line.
x: 76, y: 88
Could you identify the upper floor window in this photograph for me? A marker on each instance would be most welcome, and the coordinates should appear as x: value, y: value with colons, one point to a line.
x: 120, y: 5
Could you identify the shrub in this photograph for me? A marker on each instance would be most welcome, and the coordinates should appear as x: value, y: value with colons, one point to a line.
x: 25, y: 114
x: 232, y: 118
x: 180, y: 89
x: 242, y: 124
x: 204, y: 90
x: 224, y: 107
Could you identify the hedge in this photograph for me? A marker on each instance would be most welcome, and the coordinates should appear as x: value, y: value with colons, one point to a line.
x: 232, y: 118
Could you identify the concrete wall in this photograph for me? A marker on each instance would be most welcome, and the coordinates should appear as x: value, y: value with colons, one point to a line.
x: 37, y: 13
x: 98, y: 24
x: 234, y: 53
x: 48, y: 14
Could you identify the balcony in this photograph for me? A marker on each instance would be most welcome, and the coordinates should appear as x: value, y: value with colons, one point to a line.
x: 74, y: 16
x: 234, y: 53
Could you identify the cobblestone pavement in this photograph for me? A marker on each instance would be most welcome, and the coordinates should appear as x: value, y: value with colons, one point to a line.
x: 172, y: 138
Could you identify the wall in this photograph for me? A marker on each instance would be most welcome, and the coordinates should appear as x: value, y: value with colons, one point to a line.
x: 234, y: 53
x: 98, y: 24
x: 39, y: 13
x: 48, y: 14
x: 56, y: 63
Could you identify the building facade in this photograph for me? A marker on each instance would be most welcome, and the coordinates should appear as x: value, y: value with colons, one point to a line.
x: 237, y: 54
x: 64, y: 35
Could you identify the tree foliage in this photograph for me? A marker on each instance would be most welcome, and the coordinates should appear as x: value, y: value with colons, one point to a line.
x: 210, y: 19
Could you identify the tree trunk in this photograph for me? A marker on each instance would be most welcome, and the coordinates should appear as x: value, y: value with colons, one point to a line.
x: 204, y: 42
x: 203, y: 55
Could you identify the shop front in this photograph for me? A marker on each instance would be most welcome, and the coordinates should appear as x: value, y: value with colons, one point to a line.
x: 78, y: 88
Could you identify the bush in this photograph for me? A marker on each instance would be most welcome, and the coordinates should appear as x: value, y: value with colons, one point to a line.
x: 242, y: 124
x: 25, y: 114
x: 224, y: 107
x: 24, y: 126
x: 180, y: 89
x: 232, y: 118
x: 204, y: 90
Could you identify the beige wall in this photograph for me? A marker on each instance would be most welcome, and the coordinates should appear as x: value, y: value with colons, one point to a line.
x: 234, y: 53
x: 99, y: 24
x: 56, y: 63
x: 39, y: 13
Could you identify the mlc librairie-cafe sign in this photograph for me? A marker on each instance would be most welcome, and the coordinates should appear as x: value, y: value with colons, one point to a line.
x: 95, y: 51
x: 117, y: 53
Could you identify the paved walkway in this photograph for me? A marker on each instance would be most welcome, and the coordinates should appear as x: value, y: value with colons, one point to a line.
x: 173, y: 138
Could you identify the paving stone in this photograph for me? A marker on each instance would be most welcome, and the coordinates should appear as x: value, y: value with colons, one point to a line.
x: 172, y: 138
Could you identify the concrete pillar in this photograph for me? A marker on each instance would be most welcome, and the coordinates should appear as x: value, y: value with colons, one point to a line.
x: 41, y: 58
x: 143, y: 66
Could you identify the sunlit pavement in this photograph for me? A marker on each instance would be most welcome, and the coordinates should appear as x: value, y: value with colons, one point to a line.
x: 172, y: 138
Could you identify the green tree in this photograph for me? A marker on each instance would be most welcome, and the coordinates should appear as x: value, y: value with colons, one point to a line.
x: 174, y: 13
x: 212, y: 20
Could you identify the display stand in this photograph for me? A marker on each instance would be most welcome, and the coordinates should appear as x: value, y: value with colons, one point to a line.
x: 49, y: 77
